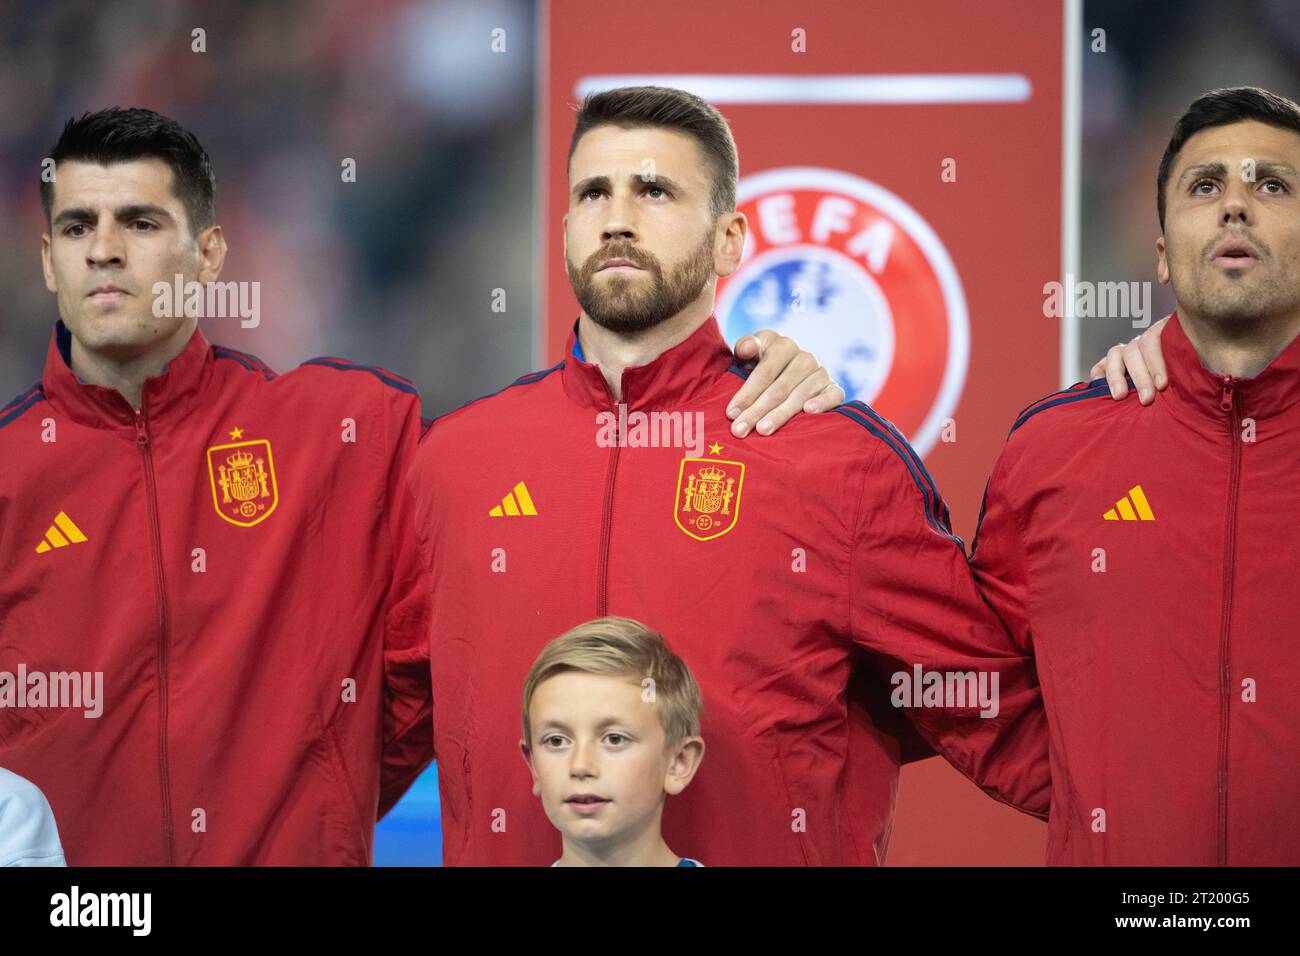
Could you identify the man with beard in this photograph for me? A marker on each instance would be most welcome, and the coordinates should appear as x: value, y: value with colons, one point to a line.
x: 776, y: 569
x: 1176, y: 743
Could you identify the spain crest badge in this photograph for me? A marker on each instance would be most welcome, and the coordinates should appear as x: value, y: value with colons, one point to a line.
x: 244, y: 491
x: 708, y: 497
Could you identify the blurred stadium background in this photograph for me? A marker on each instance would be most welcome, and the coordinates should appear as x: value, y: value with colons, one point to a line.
x: 398, y: 268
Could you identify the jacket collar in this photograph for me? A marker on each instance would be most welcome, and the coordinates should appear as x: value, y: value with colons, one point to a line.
x: 671, y: 378
x: 164, y: 394
x: 1206, y: 393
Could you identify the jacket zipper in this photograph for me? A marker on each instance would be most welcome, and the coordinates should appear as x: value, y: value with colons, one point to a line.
x: 142, y: 439
x: 606, y: 525
x: 1227, y: 404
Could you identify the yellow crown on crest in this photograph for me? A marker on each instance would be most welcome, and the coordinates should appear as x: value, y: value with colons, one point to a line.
x: 240, y: 459
x: 712, y: 473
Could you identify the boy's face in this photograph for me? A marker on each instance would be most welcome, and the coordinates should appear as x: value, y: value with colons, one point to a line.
x: 598, y: 757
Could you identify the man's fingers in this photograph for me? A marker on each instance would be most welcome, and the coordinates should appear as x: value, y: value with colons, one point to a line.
x: 804, y: 391
x: 830, y: 397
x: 1114, y: 368
x: 750, y: 346
x: 773, y: 395
x: 1137, y: 370
x: 1149, y: 346
x: 773, y: 352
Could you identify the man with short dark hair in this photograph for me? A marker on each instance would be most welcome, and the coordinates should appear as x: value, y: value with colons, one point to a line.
x: 224, y: 550
x: 164, y: 539
x: 1177, y: 742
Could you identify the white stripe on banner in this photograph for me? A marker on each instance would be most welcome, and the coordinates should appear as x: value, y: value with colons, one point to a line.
x: 882, y: 89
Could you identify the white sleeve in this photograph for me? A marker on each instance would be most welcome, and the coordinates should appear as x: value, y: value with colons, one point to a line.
x: 28, y: 834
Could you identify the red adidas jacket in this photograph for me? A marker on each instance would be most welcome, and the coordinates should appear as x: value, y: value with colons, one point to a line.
x: 240, y: 576
x: 773, y: 566
x: 1146, y: 557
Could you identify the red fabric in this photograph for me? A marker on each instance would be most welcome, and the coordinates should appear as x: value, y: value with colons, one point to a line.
x: 1156, y: 757
x: 793, y: 773
x: 223, y: 690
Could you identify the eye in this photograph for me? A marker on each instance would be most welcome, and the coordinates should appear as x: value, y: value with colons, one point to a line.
x: 661, y: 189
x: 1282, y: 187
x: 1196, y: 186
x: 598, y: 192
x: 554, y: 740
x: 148, y: 226
x: 616, y: 739
x: 72, y: 230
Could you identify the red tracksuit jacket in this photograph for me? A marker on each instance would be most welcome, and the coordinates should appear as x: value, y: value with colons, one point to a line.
x: 1146, y: 557
x: 773, y: 566
x: 241, y: 578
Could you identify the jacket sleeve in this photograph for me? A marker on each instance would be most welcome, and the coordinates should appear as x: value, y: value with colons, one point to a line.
x: 916, y: 608
x: 408, y: 691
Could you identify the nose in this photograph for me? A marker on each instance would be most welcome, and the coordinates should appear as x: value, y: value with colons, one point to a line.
x: 620, y: 219
x: 1236, y: 202
x: 582, y: 763
x: 106, y: 247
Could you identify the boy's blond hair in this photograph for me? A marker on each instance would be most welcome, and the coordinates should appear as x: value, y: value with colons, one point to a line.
x: 622, y: 647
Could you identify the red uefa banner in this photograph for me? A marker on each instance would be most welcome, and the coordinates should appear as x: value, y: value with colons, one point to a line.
x: 905, y: 174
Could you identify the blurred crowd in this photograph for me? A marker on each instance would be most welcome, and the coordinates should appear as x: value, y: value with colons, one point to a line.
x: 397, y: 268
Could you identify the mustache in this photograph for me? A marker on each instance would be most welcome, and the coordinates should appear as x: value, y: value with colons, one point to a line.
x: 635, y: 256
x: 1243, y: 234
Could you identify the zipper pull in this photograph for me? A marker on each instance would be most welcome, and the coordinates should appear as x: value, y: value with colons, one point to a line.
x: 141, y: 434
x: 1225, y: 402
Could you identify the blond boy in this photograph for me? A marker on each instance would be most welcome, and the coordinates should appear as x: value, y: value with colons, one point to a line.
x: 611, y: 728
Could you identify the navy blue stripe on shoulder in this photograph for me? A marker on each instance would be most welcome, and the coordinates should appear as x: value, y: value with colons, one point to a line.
x: 936, y: 511
x: 941, y: 507
x: 388, y: 378
x: 1094, y: 389
x: 528, y: 379
x: 22, y: 397
x: 20, y: 404
x: 739, y: 370
x: 367, y: 368
x: 250, y: 362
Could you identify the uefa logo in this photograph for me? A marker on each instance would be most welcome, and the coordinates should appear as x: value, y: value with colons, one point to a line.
x: 857, y: 277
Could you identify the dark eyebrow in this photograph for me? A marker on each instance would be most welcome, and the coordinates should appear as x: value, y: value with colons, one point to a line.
x: 121, y: 214
x: 602, y: 182
x: 1267, y: 167
x: 75, y: 215
x: 1203, y: 169
x: 141, y: 211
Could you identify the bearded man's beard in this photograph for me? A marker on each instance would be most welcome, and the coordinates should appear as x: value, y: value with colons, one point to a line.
x: 628, y: 303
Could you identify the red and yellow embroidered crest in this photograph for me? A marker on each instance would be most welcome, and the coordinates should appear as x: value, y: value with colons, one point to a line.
x: 243, y: 481
x: 708, y: 497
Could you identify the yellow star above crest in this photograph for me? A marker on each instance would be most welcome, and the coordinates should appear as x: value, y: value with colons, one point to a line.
x: 715, y: 448
x: 237, y: 434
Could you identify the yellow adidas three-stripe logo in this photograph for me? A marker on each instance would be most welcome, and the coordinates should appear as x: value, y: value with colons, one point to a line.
x: 1133, y: 507
x: 518, y: 502
x: 63, y: 533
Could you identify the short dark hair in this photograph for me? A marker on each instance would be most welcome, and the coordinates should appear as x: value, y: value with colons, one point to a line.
x: 118, y: 135
x: 632, y: 107
x: 1222, y: 107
